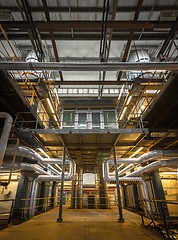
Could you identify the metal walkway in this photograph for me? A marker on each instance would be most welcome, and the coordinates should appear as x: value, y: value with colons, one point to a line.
x: 79, y: 224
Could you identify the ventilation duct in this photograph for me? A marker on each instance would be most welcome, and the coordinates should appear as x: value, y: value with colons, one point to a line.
x: 32, y: 57
x: 139, y: 56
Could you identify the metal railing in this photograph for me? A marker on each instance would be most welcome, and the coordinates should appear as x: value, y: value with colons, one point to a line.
x: 162, y: 221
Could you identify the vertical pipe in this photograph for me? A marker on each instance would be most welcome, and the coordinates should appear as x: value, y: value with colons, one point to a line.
x: 62, y: 188
x: 120, y: 219
x: 5, y: 134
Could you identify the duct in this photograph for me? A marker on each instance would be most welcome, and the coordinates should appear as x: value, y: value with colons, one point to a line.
x: 5, y: 134
x: 27, y: 152
x: 146, y: 157
x: 131, y: 179
x: 154, y: 166
x: 120, y: 66
x: 31, y: 154
x: 23, y: 166
x: 48, y: 178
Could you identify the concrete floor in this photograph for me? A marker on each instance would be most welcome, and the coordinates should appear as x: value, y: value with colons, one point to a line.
x: 79, y: 225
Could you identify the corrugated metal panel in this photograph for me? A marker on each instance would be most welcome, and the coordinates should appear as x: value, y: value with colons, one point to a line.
x: 150, y: 16
x: 124, y: 16
x: 38, y: 16
x: 78, y: 48
x: 34, y: 3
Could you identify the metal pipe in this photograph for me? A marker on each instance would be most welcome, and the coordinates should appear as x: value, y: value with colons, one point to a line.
x: 154, y: 166
x: 146, y: 157
x: 5, y: 134
x: 27, y: 152
x: 33, y: 198
x: 120, y: 66
x: 23, y: 166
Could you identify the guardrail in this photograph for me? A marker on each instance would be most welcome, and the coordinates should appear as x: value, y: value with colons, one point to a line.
x: 5, y: 216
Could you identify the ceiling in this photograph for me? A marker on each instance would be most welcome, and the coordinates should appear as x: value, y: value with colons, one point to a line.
x: 92, y: 32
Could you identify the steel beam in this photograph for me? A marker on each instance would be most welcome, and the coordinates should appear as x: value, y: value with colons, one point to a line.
x: 14, y: 35
x: 95, y: 9
x: 91, y: 131
x: 85, y: 25
x: 56, y: 66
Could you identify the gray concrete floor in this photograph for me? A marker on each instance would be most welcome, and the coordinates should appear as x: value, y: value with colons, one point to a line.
x: 79, y: 225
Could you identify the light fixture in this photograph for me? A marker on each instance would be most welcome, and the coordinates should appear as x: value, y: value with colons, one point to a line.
x: 125, y: 108
x: 128, y: 100
x: 43, y: 152
x: 169, y: 173
x: 138, y: 150
x: 122, y: 89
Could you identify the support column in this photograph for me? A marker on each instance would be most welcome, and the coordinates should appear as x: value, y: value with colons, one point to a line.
x: 136, y: 198
x: 80, y: 188
x: 159, y: 191
x: 103, y: 200
x: 62, y: 187
x: 53, y: 194
x: 120, y: 219
x: 21, y: 193
x: 73, y: 193
x: 42, y: 196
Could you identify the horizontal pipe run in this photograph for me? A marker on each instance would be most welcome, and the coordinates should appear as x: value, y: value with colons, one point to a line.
x: 31, y: 154
x: 23, y: 166
x: 120, y: 66
x: 154, y: 166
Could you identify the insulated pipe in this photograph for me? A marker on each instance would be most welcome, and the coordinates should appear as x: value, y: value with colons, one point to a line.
x: 146, y: 157
x: 144, y: 189
x: 145, y: 193
x: 31, y: 154
x: 154, y: 166
x: 27, y: 152
x: 5, y: 134
x: 23, y: 166
x: 120, y: 66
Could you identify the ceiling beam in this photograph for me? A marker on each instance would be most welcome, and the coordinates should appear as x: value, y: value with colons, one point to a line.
x: 85, y: 25
x: 14, y: 35
x: 56, y: 66
x: 89, y: 9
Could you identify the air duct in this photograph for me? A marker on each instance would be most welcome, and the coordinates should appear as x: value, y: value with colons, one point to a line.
x: 146, y: 157
x: 23, y: 166
x: 5, y: 134
x: 139, y: 56
x: 154, y: 166
x: 31, y: 154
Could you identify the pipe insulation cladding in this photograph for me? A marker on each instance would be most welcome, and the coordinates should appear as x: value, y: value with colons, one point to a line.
x: 5, y: 134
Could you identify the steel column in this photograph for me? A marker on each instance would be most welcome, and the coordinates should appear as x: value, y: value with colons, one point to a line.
x: 62, y: 187
x: 120, y: 219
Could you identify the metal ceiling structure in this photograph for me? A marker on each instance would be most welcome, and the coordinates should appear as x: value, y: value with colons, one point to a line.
x: 84, y: 61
